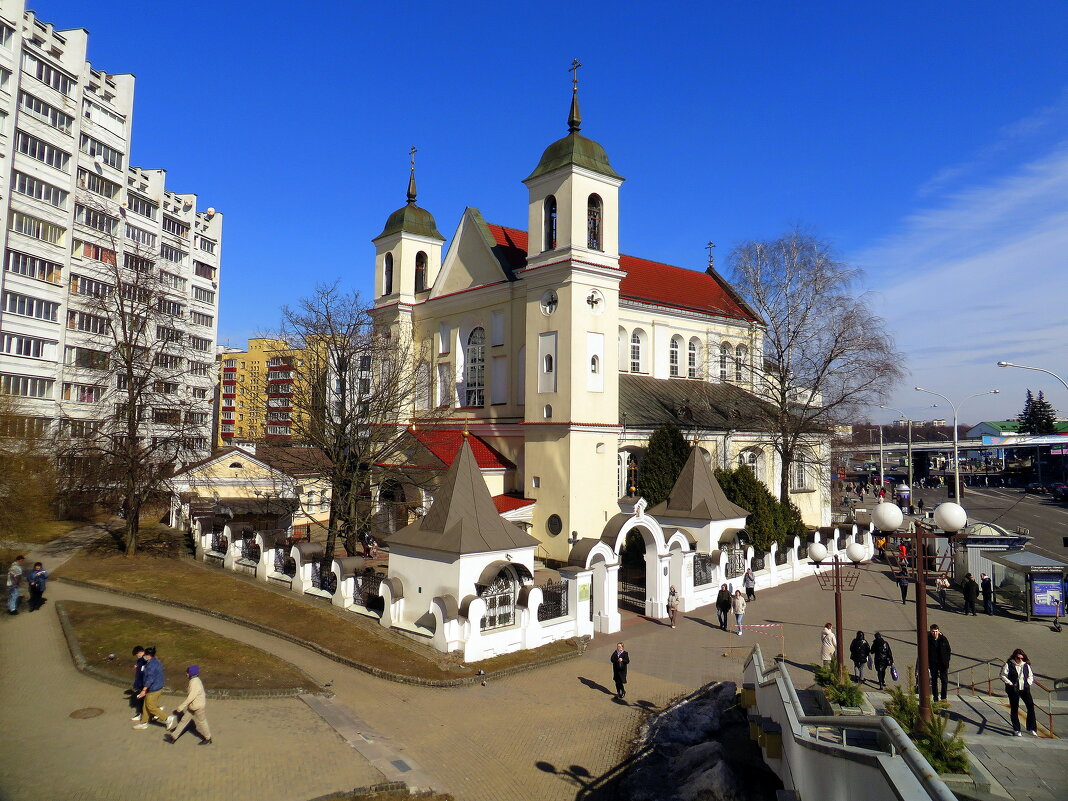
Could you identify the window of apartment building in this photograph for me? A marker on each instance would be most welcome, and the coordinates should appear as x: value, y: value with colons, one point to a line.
x: 167, y: 416
x: 203, y: 295
x: 42, y: 151
x: 202, y: 270
x: 80, y: 429
x: 45, y: 112
x: 140, y: 236
x: 91, y: 250
x: 86, y: 358
x: 38, y: 229
x: 199, y: 393
x: 200, y: 369
x: 228, y: 428
x: 137, y: 263
x: 81, y: 285
x: 46, y: 73
x: 207, y: 245
x: 108, y: 155
x: 5, y: 78
x: 167, y: 334
x: 176, y: 227
x: 90, y: 323
x: 172, y: 280
x: 5, y: 36
x: 196, y: 418
x: 171, y: 253
x: 278, y: 430
x: 170, y: 361
x: 98, y: 185
x: 171, y: 308
x: 33, y: 267
x: 21, y: 427
x: 166, y: 387
x: 142, y: 206
x: 198, y: 318
x: 95, y: 218
x: 25, y: 386
x: 27, y: 346
x: 39, y: 190
x: 83, y: 393
x: 200, y: 343
x: 26, y: 306
x: 105, y: 118
x: 278, y: 416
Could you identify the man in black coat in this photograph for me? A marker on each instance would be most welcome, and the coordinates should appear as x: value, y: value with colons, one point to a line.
x: 620, y: 659
x: 938, y: 655
x: 970, y: 588
x: 986, y: 586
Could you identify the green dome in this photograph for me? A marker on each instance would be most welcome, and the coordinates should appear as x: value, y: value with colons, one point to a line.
x: 574, y: 149
x: 410, y: 219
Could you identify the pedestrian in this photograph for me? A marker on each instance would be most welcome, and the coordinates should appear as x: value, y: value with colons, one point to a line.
x: 138, y: 680
x: 859, y: 651
x: 986, y: 587
x: 620, y: 659
x: 738, y: 607
x: 37, y: 579
x: 970, y: 588
x: 195, y: 701
x: 672, y: 605
x: 903, y: 583
x: 938, y: 656
x: 828, y: 645
x: 14, y: 584
x: 749, y: 582
x: 152, y: 690
x: 882, y: 657
x: 941, y: 585
x: 1018, y: 677
x: 919, y: 505
x: 880, y: 545
x: 902, y: 552
x: 723, y: 605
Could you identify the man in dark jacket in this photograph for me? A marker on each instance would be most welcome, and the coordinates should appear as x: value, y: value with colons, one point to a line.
x: 986, y: 586
x: 620, y: 659
x: 723, y: 605
x: 152, y: 690
x: 938, y: 655
x: 970, y: 588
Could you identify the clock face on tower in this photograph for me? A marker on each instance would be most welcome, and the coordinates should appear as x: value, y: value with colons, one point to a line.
x: 549, y: 302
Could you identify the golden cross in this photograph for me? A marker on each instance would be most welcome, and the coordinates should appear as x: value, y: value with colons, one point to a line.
x: 711, y: 258
x: 574, y: 78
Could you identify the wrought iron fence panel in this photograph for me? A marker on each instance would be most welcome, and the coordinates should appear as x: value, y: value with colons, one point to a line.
x: 368, y: 587
x: 802, y: 551
x: 284, y: 563
x: 758, y: 562
x: 250, y: 550
x: 780, y: 556
x: 702, y: 569
x: 219, y: 543
x: 500, y: 604
x: 735, y: 562
x: 554, y: 601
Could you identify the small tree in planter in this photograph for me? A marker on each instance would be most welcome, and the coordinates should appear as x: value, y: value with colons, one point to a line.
x: 944, y: 751
x: 838, y: 687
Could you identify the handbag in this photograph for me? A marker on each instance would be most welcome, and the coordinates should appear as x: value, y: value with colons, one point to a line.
x: 893, y: 673
x: 871, y: 662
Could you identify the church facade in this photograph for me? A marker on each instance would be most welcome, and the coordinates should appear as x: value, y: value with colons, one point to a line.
x: 562, y: 354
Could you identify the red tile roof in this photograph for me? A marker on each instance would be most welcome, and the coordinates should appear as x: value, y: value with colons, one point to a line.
x: 445, y: 445
x: 646, y: 280
x: 506, y: 503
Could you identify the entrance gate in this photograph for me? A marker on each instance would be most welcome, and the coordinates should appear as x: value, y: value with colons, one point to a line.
x: 632, y: 587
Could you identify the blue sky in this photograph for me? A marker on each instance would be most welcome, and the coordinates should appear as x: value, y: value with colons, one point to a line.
x: 929, y: 141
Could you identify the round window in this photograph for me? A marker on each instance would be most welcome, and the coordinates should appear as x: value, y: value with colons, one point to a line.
x: 554, y: 524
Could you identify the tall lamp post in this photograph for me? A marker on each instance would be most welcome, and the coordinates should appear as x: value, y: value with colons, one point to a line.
x: 881, y: 479
x: 839, y: 582
x: 956, y: 433
x: 1039, y: 369
x: 909, y: 421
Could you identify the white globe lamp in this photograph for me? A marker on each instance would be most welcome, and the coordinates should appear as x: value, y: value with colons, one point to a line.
x: 950, y: 516
x: 817, y: 552
x: 887, y: 517
x: 855, y: 553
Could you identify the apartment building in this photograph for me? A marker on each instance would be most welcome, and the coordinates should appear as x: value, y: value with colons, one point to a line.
x: 75, y: 214
x: 256, y: 393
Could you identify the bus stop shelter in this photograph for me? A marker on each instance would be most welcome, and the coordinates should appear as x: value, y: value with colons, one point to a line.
x: 1039, y: 580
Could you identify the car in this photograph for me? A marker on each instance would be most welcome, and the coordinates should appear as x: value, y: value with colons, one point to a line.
x: 1035, y: 488
x: 1055, y: 486
x: 1060, y: 494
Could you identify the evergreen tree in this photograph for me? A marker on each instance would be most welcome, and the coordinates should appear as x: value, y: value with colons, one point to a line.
x: 1038, y: 416
x: 769, y: 519
x: 663, y: 462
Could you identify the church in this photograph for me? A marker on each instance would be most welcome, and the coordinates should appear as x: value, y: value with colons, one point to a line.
x: 516, y: 331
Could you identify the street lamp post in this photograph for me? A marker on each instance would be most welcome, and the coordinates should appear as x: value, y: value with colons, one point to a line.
x: 881, y: 479
x: 956, y: 433
x: 909, y: 420
x: 839, y: 582
x: 1039, y: 369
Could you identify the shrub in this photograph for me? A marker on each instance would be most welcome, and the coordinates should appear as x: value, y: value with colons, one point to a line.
x: 945, y: 752
x: 838, y: 687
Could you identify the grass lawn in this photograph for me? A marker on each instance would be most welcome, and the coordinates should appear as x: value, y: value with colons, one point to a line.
x: 42, y: 531
x: 210, y: 589
x: 224, y: 663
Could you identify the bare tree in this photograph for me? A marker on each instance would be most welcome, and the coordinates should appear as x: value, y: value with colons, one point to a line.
x: 826, y: 356
x: 134, y: 363
x: 355, y: 386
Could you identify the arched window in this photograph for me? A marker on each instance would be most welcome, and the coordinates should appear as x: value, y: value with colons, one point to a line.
x: 595, y: 364
x: 420, y: 271
x: 740, y: 354
x: 548, y: 364
x: 725, y: 352
x: 673, y: 356
x: 387, y: 275
x: 547, y: 412
x: 691, y: 359
x: 476, y: 368
x: 751, y: 459
x: 521, y: 367
x: 623, y: 348
x: 550, y: 223
x: 594, y: 223
x: 636, y: 352
x: 500, y: 601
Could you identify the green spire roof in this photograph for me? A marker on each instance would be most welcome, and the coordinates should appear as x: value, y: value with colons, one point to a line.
x: 410, y: 219
x: 574, y: 149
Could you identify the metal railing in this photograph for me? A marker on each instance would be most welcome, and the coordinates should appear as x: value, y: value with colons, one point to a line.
x: 984, y: 678
x: 702, y: 569
x: 554, y: 601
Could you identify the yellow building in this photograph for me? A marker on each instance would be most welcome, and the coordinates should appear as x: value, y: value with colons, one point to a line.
x: 256, y: 394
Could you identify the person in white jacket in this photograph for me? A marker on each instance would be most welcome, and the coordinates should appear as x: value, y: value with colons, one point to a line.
x: 195, y: 701
x: 828, y: 645
x: 1018, y: 678
x: 738, y: 607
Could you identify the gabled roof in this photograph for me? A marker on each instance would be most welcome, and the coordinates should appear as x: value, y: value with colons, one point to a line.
x: 647, y: 402
x: 697, y: 495
x: 445, y: 444
x: 509, y: 503
x: 463, y: 518
x: 646, y: 280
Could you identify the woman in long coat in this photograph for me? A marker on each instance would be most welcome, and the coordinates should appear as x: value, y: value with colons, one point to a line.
x: 620, y: 659
x: 882, y: 656
x: 859, y: 650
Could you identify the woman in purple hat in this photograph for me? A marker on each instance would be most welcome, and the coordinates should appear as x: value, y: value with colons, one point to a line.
x: 194, y: 704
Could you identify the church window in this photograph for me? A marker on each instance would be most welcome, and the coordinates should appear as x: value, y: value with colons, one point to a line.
x: 691, y: 360
x: 637, y: 351
x: 725, y: 351
x: 739, y: 363
x: 387, y: 275
x: 444, y: 385
x: 750, y: 459
x: 476, y: 368
x: 673, y: 356
x: 550, y: 223
x: 595, y: 364
x: 548, y: 362
x: 594, y: 223
x: 548, y: 411
x: 420, y: 271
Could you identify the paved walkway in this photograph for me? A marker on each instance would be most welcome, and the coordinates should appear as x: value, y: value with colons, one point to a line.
x: 527, y: 736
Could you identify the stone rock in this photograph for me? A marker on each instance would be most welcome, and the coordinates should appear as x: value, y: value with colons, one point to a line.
x: 695, y: 759
x: 719, y: 783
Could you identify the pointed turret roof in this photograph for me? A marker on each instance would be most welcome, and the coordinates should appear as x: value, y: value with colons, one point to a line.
x: 697, y: 495
x: 574, y: 149
x: 410, y: 218
x: 463, y: 519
